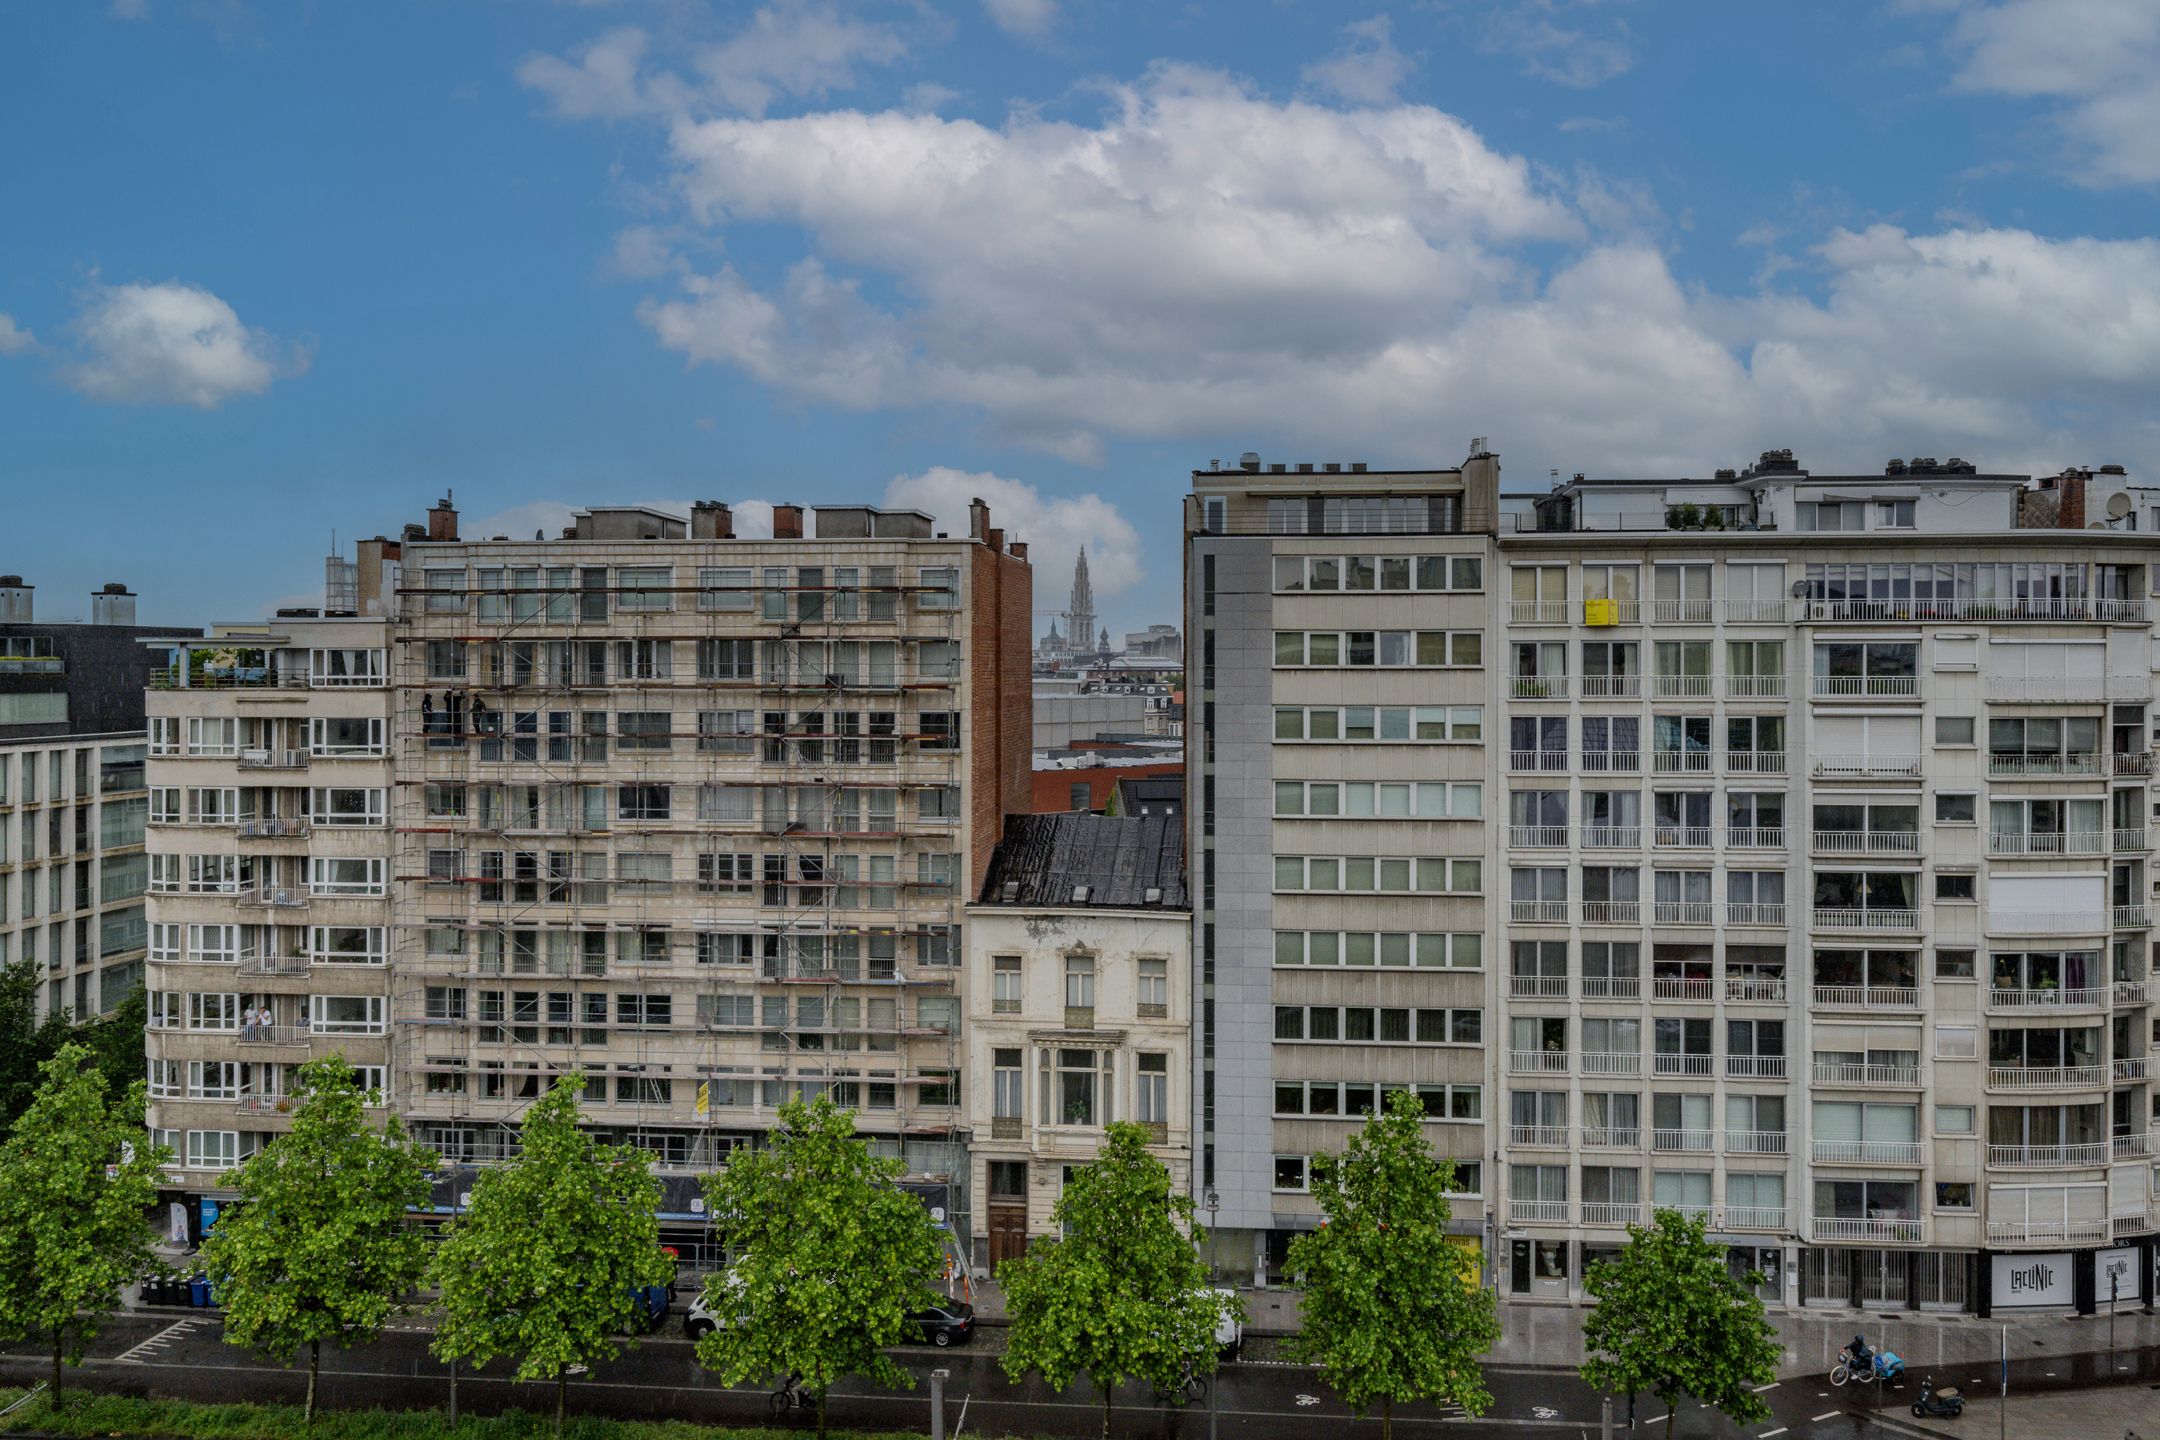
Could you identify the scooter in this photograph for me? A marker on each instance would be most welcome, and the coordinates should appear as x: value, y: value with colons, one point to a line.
x: 1946, y: 1401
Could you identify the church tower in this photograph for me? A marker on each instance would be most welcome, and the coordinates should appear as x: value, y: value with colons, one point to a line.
x: 1081, y: 625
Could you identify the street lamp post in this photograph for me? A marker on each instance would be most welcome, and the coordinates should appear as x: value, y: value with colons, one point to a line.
x: 1212, y: 1202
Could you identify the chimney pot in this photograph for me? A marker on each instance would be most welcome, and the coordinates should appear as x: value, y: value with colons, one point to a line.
x: 2070, y: 510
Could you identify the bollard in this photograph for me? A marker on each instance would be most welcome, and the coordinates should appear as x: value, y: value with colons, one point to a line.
x: 937, y: 1404
x: 1605, y: 1419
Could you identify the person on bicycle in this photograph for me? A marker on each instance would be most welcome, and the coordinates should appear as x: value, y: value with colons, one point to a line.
x: 1863, y: 1359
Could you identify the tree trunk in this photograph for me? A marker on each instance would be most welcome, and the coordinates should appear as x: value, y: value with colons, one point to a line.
x: 821, y: 1415
x: 1387, y: 1418
x: 1105, y: 1408
x: 314, y: 1369
x: 562, y: 1399
x: 59, y: 1344
x: 453, y: 1392
x: 1672, y: 1413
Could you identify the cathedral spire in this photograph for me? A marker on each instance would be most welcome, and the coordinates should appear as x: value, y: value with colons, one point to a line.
x: 1081, y: 625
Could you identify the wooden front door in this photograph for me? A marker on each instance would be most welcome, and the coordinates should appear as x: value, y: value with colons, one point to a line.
x: 1008, y: 1233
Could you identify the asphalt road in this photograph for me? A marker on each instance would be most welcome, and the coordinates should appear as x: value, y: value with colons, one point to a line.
x: 186, y: 1356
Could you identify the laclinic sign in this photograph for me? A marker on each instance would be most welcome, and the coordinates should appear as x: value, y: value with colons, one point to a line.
x: 2028, y: 1280
x: 2121, y: 1266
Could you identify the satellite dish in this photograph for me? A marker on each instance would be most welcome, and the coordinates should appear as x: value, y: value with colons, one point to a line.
x: 2118, y: 505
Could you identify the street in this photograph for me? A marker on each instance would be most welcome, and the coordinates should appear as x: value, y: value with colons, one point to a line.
x: 185, y: 1356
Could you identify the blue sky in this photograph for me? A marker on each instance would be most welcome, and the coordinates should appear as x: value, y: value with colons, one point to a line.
x: 274, y: 271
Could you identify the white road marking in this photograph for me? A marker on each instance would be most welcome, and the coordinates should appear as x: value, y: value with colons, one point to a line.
x: 1771, y: 1386
x: 156, y: 1342
x: 1768, y: 1433
x: 1308, y: 1400
x: 1826, y: 1415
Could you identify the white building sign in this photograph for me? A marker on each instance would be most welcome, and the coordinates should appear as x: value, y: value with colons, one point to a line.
x: 2032, y: 1280
x: 2121, y: 1266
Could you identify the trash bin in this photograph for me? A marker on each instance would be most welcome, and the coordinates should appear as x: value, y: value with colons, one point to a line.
x: 199, y: 1293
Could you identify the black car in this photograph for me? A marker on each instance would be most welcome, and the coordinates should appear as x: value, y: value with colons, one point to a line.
x: 950, y: 1322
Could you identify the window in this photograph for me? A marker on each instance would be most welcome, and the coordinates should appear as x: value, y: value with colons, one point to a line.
x: 1151, y: 1088
x: 1953, y: 1195
x: 643, y: 802
x: 1954, y: 1120
x: 1154, y: 988
x: 1954, y: 965
x: 643, y: 730
x: 1956, y: 809
x: 1956, y: 887
x: 940, y: 588
x: 1076, y: 1087
x: 330, y: 875
x: 1005, y: 985
x: 1956, y: 1042
x: 725, y: 587
x: 1289, y: 1174
x: 345, y: 1014
x: 1079, y: 982
x: 1954, y: 730
x: 644, y: 587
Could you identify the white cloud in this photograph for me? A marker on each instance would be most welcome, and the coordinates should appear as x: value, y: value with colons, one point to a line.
x: 1029, y: 20
x: 131, y: 9
x: 2098, y: 57
x: 1579, y: 55
x: 1367, y: 69
x: 641, y: 253
x: 1578, y: 124
x: 791, y: 49
x: 14, y: 339
x: 171, y: 344
x: 1054, y: 527
x: 928, y: 96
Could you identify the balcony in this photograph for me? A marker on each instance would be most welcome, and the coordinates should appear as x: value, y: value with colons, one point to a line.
x: 1755, y: 837
x: 1538, y: 612
x: 1612, y: 762
x: 1611, y: 987
x: 1538, y: 1212
x: 1612, y: 837
x: 1538, y: 687
x: 1755, y: 687
x: 1755, y: 612
x: 1866, y: 842
x: 1866, y: 919
x: 1609, y: 1137
x: 1544, y: 1137
x: 1685, y: 837
x: 1680, y: 762
x: 1866, y: 687
x: 2125, y: 1223
x: 2046, y: 922
x: 1538, y: 987
x: 2130, y: 842
x: 2131, y: 1067
x: 1612, y: 912
x: 1611, y: 1062
x: 271, y: 966
x: 1755, y: 762
x: 2047, y: 1157
x: 1696, y: 687
x: 2049, y: 998
x: 2135, y: 1146
x: 2132, y: 992
x: 1867, y: 767
x: 2007, y: 766
x: 1610, y: 612
x: 2043, y: 842
x: 1538, y: 837
x: 1684, y: 912
x: 1848, y: 1072
x: 1684, y: 1142
x: 1755, y: 1142
x: 1699, y: 1067
x: 1537, y: 1062
x: 1903, y: 1229
x: 263, y: 1104
x: 1756, y: 989
x: 273, y: 759
x: 1867, y: 997
x: 1866, y: 1152
x: 1755, y: 1067
x: 1538, y: 912
x: 1681, y: 987
x: 2058, y: 1230
x: 1754, y: 1217
x: 294, y: 829
x: 273, y: 1035
x: 1610, y: 1212
x: 2047, y: 1077
x: 2130, y: 917
x: 1612, y: 687
x: 1681, y: 612
x: 2135, y: 762
x: 279, y: 897
x: 1756, y: 914
x: 1542, y: 762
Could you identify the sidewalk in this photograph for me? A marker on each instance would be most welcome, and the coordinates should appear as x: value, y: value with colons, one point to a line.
x: 2098, y: 1414
x: 1550, y: 1336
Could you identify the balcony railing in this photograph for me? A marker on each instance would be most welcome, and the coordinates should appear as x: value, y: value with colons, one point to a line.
x: 1538, y: 687
x: 2047, y: 1157
x: 1755, y: 1142
x: 1698, y: 1066
x: 2135, y: 1146
x: 1612, y: 687
x: 2131, y: 1067
x: 2130, y: 917
x: 1866, y: 842
x: 1612, y: 762
x: 1680, y: 762
x: 1867, y: 767
x: 1611, y: 1062
x: 1538, y: 912
x: 2131, y: 841
x: 1538, y: 761
x: 1756, y: 989
x: 2042, y: 842
x: 1845, y: 918
x: 1684, y: 912
x: 2125, y: 1223
x: 1612, y: 912
x: 1755, y: 612
x: 1538, y: 612
x: 1867, y: 997
x: 1755, y: 837
x: 1538, y: 987
x: 2002, y: 997
x: 2132, y: 992
x: 1611, y: 1212
x: 1681, y: 612
x: 1756, y: 914
x: 1754, y: 762
x: 1849, y: 1072
x: 1612, y: 987
x: 2005, y: 766
x: 1754, y: 1217
x: 1867, y: 1152
x: 2056, y: 1229
x: 1624, y: 612
x: 1690, y: 1142
x: 272, y: 829
x: 1755, y: 687
x: 272, y: 965
x: 273, y: 759
x: 2046, y: 1077
x: 272, y: 1035
x: 1537, y: 1062
x: 1549, y: 1137
x: 1539, y: 1212
x: 1755, y: 1067
x: 1685, y: 837
x: 1611, y: 1137
x: 1684, y: 686
x: 2132, y: 762
x: 275, y: 897
x: 1612, y: 837
x: 1538, y: 837
x: 1906, y: 1229
x: 1869, y: 687
x: 1683, y: 987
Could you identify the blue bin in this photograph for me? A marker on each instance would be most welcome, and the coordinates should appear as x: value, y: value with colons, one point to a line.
x: 199, y: 1293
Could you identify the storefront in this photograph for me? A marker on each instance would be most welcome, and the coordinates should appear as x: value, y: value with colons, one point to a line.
x: 2083, y: 1282
x: 1853, y: 1277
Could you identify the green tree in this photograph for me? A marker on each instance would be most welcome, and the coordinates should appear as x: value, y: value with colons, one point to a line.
x: 833, y: 1257
x: 77, y: 1180
x: 1123, y: 1292
x: 116, y: 1044
x: 546, y: 1262
x: 27, y: 1042
x: 318, y: 1247
x: 1672, y: 1319
x: 1392, y: 1310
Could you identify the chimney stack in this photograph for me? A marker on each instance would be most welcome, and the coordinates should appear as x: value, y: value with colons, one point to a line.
x: 15, y: 598
x: 711, y: 520
x: 978, y: 519
x: 2070, y: 504
x: 787, y: 522
x: 1019, y: 549
x: 442, y: 520
x: 995, y: 539
x: 113, y: 605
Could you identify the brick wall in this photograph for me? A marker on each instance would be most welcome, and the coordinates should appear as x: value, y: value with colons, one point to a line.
x: 1001, y: 713
x: 1052, y: 789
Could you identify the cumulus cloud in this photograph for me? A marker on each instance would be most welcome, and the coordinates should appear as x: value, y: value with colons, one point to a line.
x: 1054, y: 527
x: 1558, y: 40
x: 1367, y: 69
x: 2097, y: 57
x: 171, y: 344
x: 14, y: 339
x: 1029, y: 20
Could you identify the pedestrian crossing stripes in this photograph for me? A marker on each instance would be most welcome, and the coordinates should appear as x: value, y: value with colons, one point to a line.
x: 150, y: 1349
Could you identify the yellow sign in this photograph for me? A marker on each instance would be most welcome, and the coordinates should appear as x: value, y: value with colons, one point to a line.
x: 704, y: 1097
x: 1599, y: 612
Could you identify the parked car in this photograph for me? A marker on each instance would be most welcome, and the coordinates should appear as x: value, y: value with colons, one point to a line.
x: 949, y: 1322
x: 1230, y: 1325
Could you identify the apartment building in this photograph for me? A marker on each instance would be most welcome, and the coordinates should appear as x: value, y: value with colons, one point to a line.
x: 72, y: 800
x: 1078, y: 1011
x: 1339, y: 759
x: 699, y: 814
x: 1827, y: 854
x: 270, y: 853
